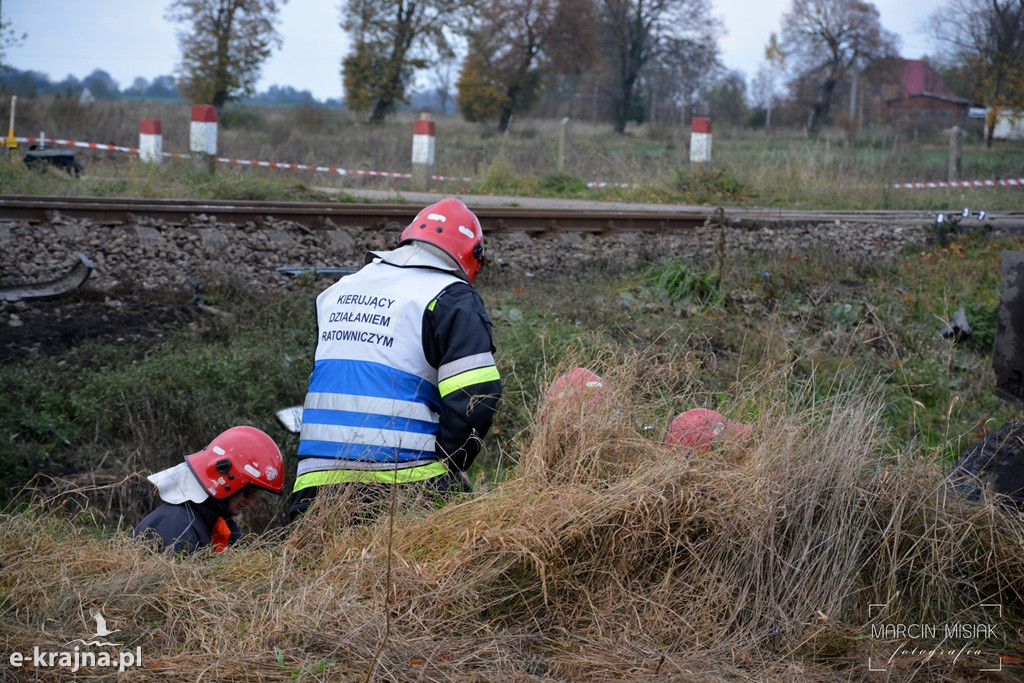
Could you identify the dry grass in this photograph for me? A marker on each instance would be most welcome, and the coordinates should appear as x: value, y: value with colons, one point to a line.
x: 604, y: 556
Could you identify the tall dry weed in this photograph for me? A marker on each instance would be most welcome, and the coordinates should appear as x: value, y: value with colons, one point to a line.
x: 605, y: 555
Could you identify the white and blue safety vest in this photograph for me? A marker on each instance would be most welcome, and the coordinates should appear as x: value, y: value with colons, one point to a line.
x: 373, y: 405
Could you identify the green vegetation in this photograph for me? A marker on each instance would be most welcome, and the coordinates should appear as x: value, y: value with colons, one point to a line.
x: 592, y: 550
x: 716, y: 325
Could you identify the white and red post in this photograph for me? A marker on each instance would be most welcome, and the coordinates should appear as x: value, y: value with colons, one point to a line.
x: 422, y: 152
x: 203, y: 136
x: 151, y: 141
x: 700, y: 140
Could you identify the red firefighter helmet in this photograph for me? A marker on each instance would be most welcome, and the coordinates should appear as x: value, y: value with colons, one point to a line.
x: 578, y: 391
x: 579, y: 384
x: 454, y: 229
x: 698, y: 427
x: 238, y: 457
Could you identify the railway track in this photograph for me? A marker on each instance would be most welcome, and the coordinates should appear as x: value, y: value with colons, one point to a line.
x: 495, y: 219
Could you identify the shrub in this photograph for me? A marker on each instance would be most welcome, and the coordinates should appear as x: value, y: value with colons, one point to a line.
x: 681, y: 284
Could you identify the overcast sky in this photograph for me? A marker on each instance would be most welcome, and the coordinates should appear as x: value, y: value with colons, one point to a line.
x: 130, y: 38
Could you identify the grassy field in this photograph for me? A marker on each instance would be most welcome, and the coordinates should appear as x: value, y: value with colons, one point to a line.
x: 751, y: 168
x: 590, y: 551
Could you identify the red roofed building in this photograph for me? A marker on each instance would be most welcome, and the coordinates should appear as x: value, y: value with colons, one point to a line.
x: 910, y: 90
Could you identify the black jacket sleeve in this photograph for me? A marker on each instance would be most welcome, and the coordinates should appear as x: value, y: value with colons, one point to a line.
x: 457, y: 340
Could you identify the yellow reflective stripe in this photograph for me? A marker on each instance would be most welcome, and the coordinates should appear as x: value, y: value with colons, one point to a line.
x: 468, y: 378
x: 408, y: 475
x: 430, y: 306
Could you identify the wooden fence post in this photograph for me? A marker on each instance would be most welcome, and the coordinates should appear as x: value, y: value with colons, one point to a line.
x: 954, y: 166
x: 562, y: 132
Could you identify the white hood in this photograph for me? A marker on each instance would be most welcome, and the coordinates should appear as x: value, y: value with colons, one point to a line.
x: 419, y: 254
x: 178, y: 484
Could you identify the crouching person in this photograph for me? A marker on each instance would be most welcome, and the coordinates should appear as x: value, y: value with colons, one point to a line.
x: 202, y: 495
x: 404, y: 386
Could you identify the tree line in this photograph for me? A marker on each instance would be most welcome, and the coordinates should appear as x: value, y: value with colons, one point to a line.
x: 640, y: 61
x: 102, y: 86
x: 613, y: 61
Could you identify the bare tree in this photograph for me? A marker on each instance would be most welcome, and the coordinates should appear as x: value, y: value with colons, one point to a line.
x: 392, y: 39
x: 441, y: 79
x: 223, y: 50
x: 8, y: 38
x: 827, y: 39
x: 726, y: 98
x: 686, y: 68
x: 633, y: 31
x: 572, y: 55
x: 985, y: 38
x: 768, y: 76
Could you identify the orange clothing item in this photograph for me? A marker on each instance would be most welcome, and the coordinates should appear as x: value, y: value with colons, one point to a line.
x: 220, y: 535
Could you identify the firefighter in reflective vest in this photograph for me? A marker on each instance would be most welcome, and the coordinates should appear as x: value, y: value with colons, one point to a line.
x: 404, y: 385
x: 202, y: 495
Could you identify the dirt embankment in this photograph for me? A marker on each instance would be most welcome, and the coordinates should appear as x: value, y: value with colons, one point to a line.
x: 149, y: 276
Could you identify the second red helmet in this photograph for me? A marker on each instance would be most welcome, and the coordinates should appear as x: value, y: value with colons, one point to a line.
x: 238, y: 457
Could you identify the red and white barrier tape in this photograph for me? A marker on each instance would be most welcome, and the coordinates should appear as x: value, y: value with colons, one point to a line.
x: 442, y: 177
x: 244, y: 162
x: 1012, y: 182
x: 277, y: 164
x: 304, y: 167
x: 964, y: 183
x: 76, y: 143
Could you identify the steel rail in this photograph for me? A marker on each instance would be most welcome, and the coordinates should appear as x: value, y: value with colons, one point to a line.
x: 494, y: 219
x: 366, y: 216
